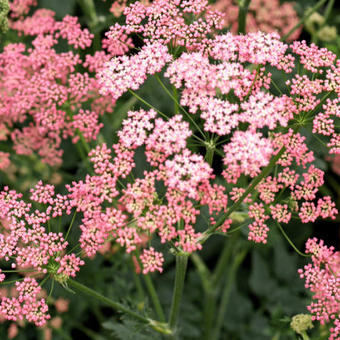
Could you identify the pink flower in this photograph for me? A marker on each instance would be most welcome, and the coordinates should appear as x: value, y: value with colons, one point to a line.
x: 151, y: 260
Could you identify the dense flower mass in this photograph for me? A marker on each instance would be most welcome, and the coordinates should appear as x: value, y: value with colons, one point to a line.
x: 322, y: 277
x: 43, y: 93
x: 228, y: 110
x: 28, y: 246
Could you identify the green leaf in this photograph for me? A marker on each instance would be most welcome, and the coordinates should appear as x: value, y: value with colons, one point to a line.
x: 130, y: 330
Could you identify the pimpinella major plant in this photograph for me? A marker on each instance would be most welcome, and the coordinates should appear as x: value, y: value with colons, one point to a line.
x: 232, y: 152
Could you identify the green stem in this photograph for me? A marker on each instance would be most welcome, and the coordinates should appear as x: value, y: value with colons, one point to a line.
x: 242, y: 15
x: 209, y: 293
x: 180, y: 106
x: 82, y: 154
x: 209, y: 312
x: 328, y: 10
x: 154, y: 297
x: 44, y: 281
x: 304, y: 18
x: 51, y: 289
x: 176, y: 106
x: 226, y: 293
x: 160, y: 327
x: 148, y: 104
x: 19, y: 271
x: 181, y: 267
x: 84, y: 142
x: 209, y: 156
x: 89, y: 9
x: 249, y: 190
x: 289, y: 240
x: 115, y: 305
x: 305, y: 336
x: 202, y: 271
x: 231, y: 231
x: 71, y: 224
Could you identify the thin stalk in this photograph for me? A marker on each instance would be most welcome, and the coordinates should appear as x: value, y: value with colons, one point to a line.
x: 176, y: 106
x: 242, y: 15
x: 73, y: 248
x: 158, y: 326
x: 289, y: 240
x: 202, y: 270
x: 84, y: 142
x: 154, y: 297
x: 209, y: 312
x: 181, y: 267
x: 328, y: 10
x: 71, y: 224
x: 81, y: 152
x: 148, y: 104
x: 180, y: 106
x: 19, y: 271
x: 304, y: 336
x: 89, y: 9
x: 238, y: 228
x: 51, y: 290
x: 152, y: 292
x: 115, y: 305
x: 226, y: 293
x: 3, y: 283
x: 83, y: 156
x: 209, y: 293
x: 209, y: 156
x: 44, y: 281
x: 304, y: 18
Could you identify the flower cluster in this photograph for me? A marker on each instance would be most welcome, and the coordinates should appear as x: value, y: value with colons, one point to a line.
x: 44, y: 93
x: 38, y: 296
x: 139, y: 206
x: 26, y: 245
x: 27, y: 304
x: 322, y: 278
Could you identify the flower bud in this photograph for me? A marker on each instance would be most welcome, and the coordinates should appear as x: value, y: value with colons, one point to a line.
x: 327, y: 33
x: 301, y: 323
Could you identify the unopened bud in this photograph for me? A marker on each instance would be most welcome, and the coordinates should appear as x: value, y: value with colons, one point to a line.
x: 301, y: 323
x: 327, y: 33
x: 4, y: 9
